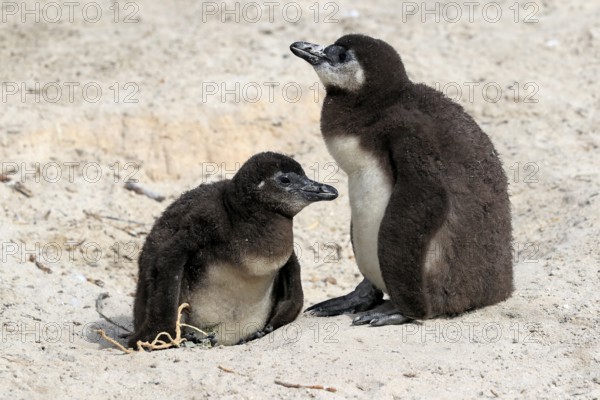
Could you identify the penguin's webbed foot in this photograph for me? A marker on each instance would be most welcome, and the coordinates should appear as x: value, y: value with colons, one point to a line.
x: 385, y: 314
x: 363, y: 298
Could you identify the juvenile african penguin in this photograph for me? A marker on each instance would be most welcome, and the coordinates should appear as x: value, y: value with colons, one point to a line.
x: 431, y: 224
x: 226, y: 248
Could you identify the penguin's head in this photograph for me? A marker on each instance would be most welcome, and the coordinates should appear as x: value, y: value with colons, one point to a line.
x: 278, y: 183
x: 354, y: 62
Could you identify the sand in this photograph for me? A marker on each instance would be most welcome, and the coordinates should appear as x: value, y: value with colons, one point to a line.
x: 179, y: 93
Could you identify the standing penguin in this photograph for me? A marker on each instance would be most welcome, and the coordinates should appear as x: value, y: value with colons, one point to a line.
x: 226, y: 248
x: 431, y: 223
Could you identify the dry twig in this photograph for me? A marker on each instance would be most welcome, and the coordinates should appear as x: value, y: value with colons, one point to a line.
x: 113, y: 342
x: 19, y: 187
x: 100, y: 217
x: 157, y: 343
x: 38, y: 264
x: 130, y: 185
x: 225, y: 369
x: 96, y: 282
x: 43, y: 267
x: 298, y: 386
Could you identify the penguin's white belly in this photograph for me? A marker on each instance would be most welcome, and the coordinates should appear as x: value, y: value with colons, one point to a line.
x: 369, y: 191
x: 231, y: 302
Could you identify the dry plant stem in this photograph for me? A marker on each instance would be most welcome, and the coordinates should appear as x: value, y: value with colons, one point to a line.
x: 157, y: 343
x: 130, y: 185
x: 298, y: 386
x: 19, y: 187
x: 43, y: 267
x: 100, y: 217
x: 194, y: 328
x: 113, y: 342
x: 225, y: 369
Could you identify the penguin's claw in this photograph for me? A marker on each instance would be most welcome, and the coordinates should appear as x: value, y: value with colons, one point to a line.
x: 385, y: 314
x: 379, y: 319
x: 363, y: 319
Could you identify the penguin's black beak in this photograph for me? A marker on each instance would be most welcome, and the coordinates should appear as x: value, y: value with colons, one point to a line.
x: 312, y: 53
x: 313, y: 191
x: 318, y: 192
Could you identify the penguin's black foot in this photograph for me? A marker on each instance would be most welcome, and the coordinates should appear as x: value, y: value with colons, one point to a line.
x: 257, y: 335
x: 363, y: 298
x: 385, y: 314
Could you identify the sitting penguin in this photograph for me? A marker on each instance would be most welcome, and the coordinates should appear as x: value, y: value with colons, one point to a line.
x: 430, y: 212
x: 226, y: 248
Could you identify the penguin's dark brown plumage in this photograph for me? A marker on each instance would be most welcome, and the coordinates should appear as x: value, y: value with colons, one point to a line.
x: 227, y: 249
x: 431, y: 223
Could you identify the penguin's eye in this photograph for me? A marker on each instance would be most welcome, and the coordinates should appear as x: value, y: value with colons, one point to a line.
x: 342, y: 57
x: 284, y: 180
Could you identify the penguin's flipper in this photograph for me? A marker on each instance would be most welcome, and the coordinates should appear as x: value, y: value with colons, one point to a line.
x: 385, y: 314
x: 287, y: 299
x: 363, y: 298
x: 417, y: 208
x: 287, y: 295
x: 164, y: 278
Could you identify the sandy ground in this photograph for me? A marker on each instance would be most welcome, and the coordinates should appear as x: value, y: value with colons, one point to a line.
x: 176, y: 94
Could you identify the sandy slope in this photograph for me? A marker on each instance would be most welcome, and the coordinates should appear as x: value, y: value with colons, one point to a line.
x: 178, y: 61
